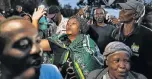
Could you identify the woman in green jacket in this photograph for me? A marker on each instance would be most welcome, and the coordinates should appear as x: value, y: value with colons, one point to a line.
x: 75, y: 53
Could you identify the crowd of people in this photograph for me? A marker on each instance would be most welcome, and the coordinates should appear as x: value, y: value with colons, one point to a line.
x: 46, y: 45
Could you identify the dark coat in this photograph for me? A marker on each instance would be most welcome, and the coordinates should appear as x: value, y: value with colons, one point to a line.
x: 99, y: 73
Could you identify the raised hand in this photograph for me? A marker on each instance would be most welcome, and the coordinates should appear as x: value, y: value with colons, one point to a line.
x: 38, y: 13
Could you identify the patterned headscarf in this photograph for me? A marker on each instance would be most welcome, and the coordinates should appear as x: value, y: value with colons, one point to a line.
x: 112, y: 47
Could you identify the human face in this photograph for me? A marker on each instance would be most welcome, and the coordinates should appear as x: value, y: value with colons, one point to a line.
x: 118, y: 65
x: 19, y: 9
x: 72, y: 27
x: 55, y: 18
x: 21, y: 51
x: 126, y: 15
x: 27, y: 17
x: 99, y: 15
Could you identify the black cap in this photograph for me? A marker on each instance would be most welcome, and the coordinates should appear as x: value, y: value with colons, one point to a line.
x: 135, y: 5
x: 53, y: 9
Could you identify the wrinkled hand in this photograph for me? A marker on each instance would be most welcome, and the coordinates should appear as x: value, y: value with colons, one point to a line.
x: 38, y: 13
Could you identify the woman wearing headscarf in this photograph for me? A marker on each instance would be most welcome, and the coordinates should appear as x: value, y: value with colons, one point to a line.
x: 75, y: 53
x: 117, y: 57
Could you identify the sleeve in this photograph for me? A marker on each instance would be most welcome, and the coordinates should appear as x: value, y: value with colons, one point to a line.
x: 96, y: 52
x: 93, y: 34
x: 93, y: 74
x: 141, y: 77
x: 53, y: 39
x: 49, y: 71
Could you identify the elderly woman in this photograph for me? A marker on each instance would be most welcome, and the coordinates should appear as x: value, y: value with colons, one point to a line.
x: 117, y: 57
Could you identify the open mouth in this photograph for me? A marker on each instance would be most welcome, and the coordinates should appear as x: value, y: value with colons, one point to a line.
x: 123, y: 74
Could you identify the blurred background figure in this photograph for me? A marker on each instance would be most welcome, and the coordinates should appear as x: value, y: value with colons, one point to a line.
x: 26, y: 16
x: 55, y: 15
x: 2, y: 17
x: 18, y: 10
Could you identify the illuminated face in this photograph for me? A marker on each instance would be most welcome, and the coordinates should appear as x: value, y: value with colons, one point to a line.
x: 19, y: 9
x: 118, y: 65
x: 72, y: 27
x: 27, y: 17
x: 21, y: 48
x: 126, y: 15
x: 99, y: 15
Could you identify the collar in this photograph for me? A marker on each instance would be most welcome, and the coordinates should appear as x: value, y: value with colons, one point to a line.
x: 135, y: 29
x: 63, y: 20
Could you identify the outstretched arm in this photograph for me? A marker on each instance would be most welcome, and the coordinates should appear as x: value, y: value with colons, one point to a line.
x: 45, y: 45
x: 37, y: 15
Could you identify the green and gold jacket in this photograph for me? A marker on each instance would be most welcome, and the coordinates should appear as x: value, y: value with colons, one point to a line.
x: 83, y: 52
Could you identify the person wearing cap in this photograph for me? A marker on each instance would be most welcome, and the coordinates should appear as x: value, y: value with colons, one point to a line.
x: 100, y: 31
x: 55, y: 15
x: 136, y: 36
x: 117, y: 57
x: 52, y: 14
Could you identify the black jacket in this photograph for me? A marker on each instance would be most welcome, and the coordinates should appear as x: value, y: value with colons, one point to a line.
x: 140, y: 41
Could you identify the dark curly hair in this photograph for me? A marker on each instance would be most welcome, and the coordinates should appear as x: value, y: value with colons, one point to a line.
x: 83, y: 23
